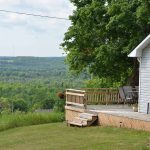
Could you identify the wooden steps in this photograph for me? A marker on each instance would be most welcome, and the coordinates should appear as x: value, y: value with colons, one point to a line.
x: 84, y: 119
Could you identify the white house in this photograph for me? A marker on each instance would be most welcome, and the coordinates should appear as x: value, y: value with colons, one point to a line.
x: 142, y: 52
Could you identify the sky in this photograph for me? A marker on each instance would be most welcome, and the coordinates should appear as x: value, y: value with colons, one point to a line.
x: 22, y: 35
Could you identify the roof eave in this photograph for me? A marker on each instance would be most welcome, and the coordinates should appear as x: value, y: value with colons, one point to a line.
x: 137, y: 52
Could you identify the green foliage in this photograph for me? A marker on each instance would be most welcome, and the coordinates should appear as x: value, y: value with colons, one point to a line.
x: 101, y: 83
x: 30, y: 83
x: 19, y: 119
x: 48, y: 104
x: 103, y: 33
x: 98, y: 83
x: 36, y: 106
x: 20, y: 105
x: 59, y: 105
x: 24, y: 96
x: 4, y: 104
x: 6, y: 111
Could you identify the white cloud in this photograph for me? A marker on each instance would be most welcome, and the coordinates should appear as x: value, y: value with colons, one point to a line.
x: 42, y: 2
x: 19, y: 29
x: 7, y: 3
x: 16, y: 18
x: 59, y: 8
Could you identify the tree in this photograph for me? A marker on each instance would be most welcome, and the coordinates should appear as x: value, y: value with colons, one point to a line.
x: 103, y: 33
x: 47, y: 104
x: 4, y: 104
x: 20, y: 104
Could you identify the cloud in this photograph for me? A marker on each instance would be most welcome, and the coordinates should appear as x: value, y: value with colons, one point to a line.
x: 16, y: 18
x: 27, y: 33
x: 59, y: 8
x: 9, y: 3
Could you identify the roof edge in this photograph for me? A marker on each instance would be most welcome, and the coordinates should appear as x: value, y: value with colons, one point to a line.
x: 137, y: 52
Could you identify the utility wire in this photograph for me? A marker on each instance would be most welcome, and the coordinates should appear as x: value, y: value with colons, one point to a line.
x: 34, y: 15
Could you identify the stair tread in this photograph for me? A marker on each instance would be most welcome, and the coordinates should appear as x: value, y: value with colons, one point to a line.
x: 78, y: 124
x: 86, y: 117
x: 89, y: 114
x: 83, y: 119
x: 80, y: 120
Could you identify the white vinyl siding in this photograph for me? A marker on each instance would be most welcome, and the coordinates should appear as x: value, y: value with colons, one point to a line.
x: 144, y: 80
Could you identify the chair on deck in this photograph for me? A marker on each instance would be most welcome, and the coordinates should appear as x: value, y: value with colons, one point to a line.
x: 122, y: 94
x: 137, y: 88
x: 136, y: 93
x: 127, y: 94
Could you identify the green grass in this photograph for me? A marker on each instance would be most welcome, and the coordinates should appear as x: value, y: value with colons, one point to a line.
x: 21, y: 119
x: 57, y: 136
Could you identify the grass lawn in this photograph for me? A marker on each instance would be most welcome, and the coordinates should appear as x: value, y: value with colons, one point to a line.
x: 57, y: 136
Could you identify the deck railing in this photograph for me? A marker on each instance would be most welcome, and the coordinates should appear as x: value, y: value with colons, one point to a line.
x: 76, y: 98
x: 91, y: 96
x: 103, y: 96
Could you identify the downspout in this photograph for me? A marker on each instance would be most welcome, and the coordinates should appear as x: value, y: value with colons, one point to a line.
x: 139, y: 96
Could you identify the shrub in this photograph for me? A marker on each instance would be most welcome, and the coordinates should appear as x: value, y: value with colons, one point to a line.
x: 6, y: 112
x: 59, y: 105
x: 47, y: 104
x: 101, y: 83
x: 4, y: 104
x: 20, y: 105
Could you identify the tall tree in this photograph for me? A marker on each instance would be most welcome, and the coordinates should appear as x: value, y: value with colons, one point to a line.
x: 102, y: 34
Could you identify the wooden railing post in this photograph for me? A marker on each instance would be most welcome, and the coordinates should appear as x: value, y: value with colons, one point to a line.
x: 76, y: 98
x: 85, y: 101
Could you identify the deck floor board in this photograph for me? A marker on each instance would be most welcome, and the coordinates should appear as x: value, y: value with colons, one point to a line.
x: 119, y: 110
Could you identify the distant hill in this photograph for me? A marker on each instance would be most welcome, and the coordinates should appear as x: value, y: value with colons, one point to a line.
x: 43, y: 69
x: 28, y: 68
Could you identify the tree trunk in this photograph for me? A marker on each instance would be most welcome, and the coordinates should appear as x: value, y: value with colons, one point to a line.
x: 134, y: 78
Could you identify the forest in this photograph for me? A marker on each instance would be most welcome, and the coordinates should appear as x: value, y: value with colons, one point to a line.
x: 30, y: 83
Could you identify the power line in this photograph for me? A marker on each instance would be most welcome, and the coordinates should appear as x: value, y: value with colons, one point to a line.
x: 34, y: 15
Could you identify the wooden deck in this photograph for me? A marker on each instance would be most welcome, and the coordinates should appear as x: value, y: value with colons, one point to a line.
x: 108, y: 115
x: 120, y: 111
